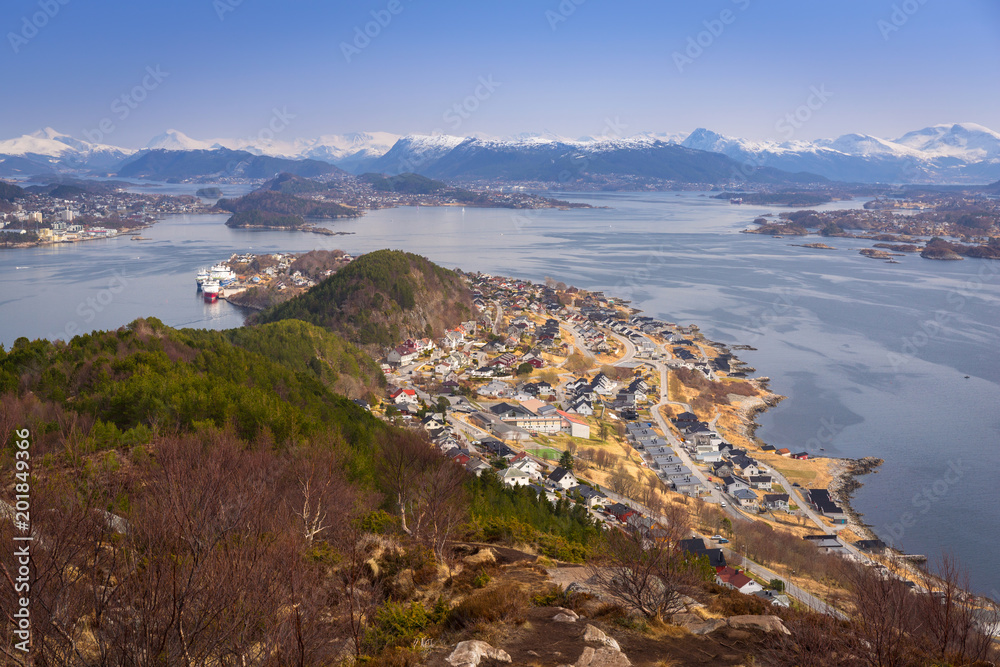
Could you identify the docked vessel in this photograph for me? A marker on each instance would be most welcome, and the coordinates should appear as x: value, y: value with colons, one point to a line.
x: 201, y: 277
x: 222, y: 273
x: 211, y: 288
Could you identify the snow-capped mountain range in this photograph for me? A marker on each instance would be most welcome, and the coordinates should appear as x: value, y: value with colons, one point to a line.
x: 961, y: 152
x: 956, y: 153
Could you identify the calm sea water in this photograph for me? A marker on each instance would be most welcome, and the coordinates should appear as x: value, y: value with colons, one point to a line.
x: 873, y: 356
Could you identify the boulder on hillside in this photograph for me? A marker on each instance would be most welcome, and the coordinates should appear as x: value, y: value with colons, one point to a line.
x: 602, y: 657
x: 470, y: 653
x: 592, y: 634
x: 696, y: 625
x: 765, y: 623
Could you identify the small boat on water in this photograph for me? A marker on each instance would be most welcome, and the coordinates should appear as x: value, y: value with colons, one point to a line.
x: 201, y: 277
x: 211, y: 288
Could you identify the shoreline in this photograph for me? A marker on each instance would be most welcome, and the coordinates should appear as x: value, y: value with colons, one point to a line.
x: 125, y: 231
x: 844, y: 472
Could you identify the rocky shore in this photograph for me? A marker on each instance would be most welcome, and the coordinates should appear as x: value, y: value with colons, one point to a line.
x: 845, y: 483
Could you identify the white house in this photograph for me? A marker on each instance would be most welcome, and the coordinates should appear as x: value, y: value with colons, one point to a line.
x: 561, y: 478
x: 513, y: 476
x: 401, y: 396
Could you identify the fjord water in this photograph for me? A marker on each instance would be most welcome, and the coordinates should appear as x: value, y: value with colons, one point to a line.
x: 872, y: 356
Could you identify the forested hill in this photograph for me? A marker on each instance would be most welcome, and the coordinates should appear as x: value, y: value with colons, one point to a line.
x: 274, y: 383
x: 286, y: 204
x: 382, y: 298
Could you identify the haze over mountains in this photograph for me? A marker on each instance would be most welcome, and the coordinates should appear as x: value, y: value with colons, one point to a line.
x: 947, y: 153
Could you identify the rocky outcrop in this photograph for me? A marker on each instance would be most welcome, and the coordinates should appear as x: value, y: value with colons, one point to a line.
x: 765, y: 623
x: 470, y: 653
x: 697, y: 625
x: 602, y: 657
x: 596, y: 635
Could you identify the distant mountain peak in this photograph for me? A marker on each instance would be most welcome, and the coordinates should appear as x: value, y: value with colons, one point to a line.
x: 175, y: 140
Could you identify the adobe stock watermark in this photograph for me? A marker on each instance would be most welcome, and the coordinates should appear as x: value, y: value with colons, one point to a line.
x: 88, y: 309
x: 123, y: 105
x: 787, y: 125
x: 562, y: 13
x: 802, y: 114
x: 932, y: 329
x: 698, y: 43
x: 900, y: 16
x: 278, y: 123
x: 825, y: 434
x: 364, y: 34
x: 223, y: 7
x: 613, y: 129
x: 31, y: 24
x: 461, y: 111
x: 455, y: 115
x: 923, y: 500
x: 764, y: 320
x: 641, y: 273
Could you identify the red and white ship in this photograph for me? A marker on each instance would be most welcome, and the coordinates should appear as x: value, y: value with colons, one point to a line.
x: 210, y: 288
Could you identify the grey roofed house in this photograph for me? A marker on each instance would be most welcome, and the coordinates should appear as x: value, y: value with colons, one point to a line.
x: 676, y: 478
x: 477, y: 466
x: 722, y: 468
x: 688, y: 486
x: 821, y: 500
x: 732, y: 483
x: 776, y: 501
x: 543, y: 492
x: 639, y: 522
x: 696, y: 546
x: 742, y: 461
x: 590, y: 495
x: 503, y: 410
x: 560, y: 474
x: 825, y: 541
x: 871, y: 546
x: 775, y: 598
x: 497, y: 448
x: 665, y: 460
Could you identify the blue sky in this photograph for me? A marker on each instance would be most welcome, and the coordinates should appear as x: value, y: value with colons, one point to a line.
x: 560, y: 66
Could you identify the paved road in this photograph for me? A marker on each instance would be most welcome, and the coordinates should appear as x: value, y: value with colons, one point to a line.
x: 498, y: 318
x: 630, y: 350
x: 578, y: 342
x: 803, y: 596
x: 470, y: 431
x: 715, y: 495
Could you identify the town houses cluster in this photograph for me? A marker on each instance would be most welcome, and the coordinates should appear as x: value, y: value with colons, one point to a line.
x: 501, y: 393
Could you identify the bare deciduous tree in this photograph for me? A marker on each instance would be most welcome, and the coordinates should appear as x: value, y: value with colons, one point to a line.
x: 644, y: 567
